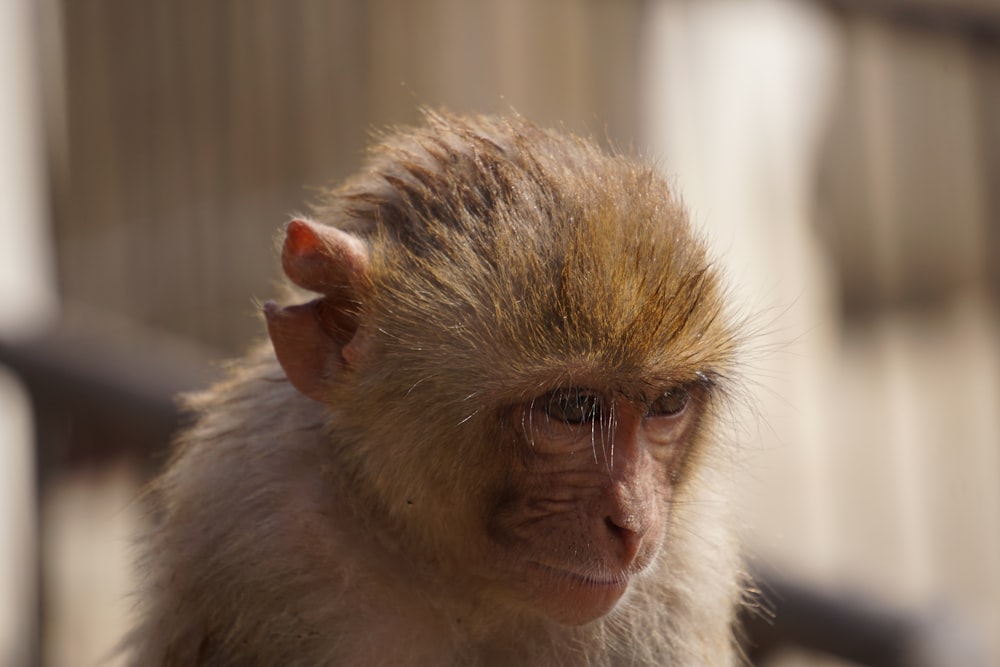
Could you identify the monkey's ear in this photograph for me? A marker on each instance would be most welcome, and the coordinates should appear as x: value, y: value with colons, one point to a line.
x: 323, y: 259
x: 316, y: 340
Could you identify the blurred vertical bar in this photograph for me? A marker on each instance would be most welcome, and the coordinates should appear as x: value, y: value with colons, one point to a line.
x: 27, y: 302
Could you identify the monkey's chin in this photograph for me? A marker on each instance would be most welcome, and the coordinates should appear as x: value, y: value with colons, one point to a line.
x: 569, y: 598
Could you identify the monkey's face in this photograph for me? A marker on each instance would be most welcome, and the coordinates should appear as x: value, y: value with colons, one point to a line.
x: 472, y: 268
x: 586, y: 508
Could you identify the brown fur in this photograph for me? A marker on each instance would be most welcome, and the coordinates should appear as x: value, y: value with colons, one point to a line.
x: 497, y: 261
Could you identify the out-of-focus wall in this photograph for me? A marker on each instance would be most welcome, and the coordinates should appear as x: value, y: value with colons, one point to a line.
x: 908, y: 207
x: 907, y: 199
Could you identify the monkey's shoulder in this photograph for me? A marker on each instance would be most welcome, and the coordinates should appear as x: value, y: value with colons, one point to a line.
x: 252, y: 462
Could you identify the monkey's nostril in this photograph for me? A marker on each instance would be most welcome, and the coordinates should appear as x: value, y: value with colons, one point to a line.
x: 625, y: 536
x: 625, y: 524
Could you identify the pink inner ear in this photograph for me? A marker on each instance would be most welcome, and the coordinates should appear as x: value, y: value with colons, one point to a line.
x: 323, y: 259
x: 300, y: 239
x: 306, y: 353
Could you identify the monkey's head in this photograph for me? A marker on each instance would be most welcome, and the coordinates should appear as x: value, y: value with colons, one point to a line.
x: 521, y: 344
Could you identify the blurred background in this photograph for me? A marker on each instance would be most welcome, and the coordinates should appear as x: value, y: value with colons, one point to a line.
x: 843, y: 156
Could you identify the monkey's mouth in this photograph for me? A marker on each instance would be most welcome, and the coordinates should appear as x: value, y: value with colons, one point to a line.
x: 608, y: 581
x: 572, y: 597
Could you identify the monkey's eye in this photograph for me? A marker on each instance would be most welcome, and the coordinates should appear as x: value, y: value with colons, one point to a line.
x: 670, y: 403
x: 573, y: 406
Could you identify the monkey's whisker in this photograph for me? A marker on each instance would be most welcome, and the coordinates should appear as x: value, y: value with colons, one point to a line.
x: 468, y: 417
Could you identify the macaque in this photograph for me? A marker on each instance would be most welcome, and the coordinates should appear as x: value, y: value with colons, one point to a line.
x: 486, y: 436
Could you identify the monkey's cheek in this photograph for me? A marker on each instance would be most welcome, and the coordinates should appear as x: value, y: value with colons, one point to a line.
x: 571, y: 599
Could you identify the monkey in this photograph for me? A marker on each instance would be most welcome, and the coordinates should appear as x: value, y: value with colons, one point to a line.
x: 485, y: 433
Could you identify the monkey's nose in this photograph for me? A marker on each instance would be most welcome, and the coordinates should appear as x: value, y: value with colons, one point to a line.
x: 626, y: 535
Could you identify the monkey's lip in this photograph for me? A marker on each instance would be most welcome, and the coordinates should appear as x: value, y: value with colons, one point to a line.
x: 571, y: 597
x: 615, y: 581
